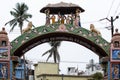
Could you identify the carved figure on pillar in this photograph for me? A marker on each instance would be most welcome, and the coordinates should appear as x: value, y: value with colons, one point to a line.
x: 62, y: 19
x: 77, y: 18
x: 53, y: 18
x: 47, y: 12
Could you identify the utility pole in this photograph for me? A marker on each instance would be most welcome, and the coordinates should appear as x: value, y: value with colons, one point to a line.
x: 112, y: 26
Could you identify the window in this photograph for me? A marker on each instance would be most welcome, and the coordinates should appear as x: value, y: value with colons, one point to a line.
x: 3, y: 43
x: 116, y: 44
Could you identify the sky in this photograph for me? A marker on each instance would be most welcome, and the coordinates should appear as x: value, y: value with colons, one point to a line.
x: 72, y: 54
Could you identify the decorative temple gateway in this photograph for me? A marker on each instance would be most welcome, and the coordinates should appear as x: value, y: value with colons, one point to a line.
x: 63, y: 13
x: 62, y: 24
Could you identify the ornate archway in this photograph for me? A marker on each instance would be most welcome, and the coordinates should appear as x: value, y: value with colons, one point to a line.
x: 63, y: 32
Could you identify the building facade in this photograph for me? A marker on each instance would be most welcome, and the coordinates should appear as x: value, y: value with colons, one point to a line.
x: 50, y: 71
x: 4, y: 55
x: 46, y: 68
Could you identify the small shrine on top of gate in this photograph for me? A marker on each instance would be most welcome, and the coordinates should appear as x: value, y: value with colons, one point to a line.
x: 63, y: 13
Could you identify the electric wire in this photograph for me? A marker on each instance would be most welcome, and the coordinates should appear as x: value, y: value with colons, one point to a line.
x: 109, y: 27
x: 117, y: 9
x: 81, y: 62
x: 73, y: 62
x: 110, y: 7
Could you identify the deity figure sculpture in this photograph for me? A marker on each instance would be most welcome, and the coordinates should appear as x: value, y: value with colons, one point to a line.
x: 47, y: 12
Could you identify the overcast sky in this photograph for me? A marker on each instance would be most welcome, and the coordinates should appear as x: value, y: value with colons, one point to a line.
x: 69, y: 51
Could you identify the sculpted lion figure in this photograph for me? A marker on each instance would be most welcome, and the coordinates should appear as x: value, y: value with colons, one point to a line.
x: 28, y: 28
x: 92, y: 28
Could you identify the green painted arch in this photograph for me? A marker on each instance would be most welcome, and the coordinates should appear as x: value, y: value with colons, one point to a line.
x: 63, y: 32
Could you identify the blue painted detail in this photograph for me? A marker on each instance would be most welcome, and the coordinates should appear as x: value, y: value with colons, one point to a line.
x: 11, y: 69
x: 19, y: 70
x: 3, y: 70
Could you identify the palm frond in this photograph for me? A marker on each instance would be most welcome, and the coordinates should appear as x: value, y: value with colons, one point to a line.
x: 18, y: 8
x: 50, y: 55
x: 24, y: 7
x: 13, y: 27
x: 10, y: 22
x: 46, y: 52
x: 26, y: 15
x: 57, y: 56
x: 57, y: 43
x: 14, y: 14
x: 54, y: 51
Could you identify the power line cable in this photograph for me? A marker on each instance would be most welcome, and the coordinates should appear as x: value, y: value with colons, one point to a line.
x: 117, y: 9
x: 110, y: 8
x: 34, y: 59
x: 72, y: 62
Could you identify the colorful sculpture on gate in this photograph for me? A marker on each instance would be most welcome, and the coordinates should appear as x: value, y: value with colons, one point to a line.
x: 28, y: 28
x: 63, y: 11
x: 92, y: 28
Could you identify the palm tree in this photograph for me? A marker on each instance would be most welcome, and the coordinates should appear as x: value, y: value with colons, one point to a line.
x: 20, y: 15
x: 53, y: 51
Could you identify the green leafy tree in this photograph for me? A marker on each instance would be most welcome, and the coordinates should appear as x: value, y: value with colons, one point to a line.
x: 53, y: 51
x: 97, y: 76
x: 20, y: 15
